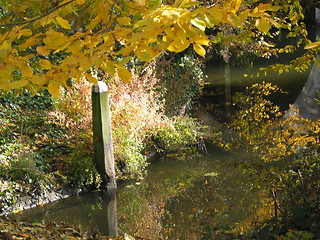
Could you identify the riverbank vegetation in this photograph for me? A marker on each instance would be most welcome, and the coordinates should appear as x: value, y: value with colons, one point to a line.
x: 286, y: 161
x: 47, y: 143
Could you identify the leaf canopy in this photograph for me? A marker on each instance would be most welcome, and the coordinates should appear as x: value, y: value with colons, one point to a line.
x: 44, y: 43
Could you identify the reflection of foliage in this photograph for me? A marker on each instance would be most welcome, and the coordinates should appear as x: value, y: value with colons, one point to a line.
x: 178, y: 196
x: 286, y: 162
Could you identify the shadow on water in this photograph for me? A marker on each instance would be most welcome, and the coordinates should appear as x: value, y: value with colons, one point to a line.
x: 187, y: 198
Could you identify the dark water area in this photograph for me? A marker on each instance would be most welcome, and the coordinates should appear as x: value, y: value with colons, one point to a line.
x: 215, y: 78
x: 220, y: 85
x: 187, y: 197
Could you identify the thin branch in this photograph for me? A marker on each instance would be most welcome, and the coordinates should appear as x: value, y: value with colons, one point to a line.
x: 37, y: 18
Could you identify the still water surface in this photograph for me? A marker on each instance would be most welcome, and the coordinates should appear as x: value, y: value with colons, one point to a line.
x: 180, y: 198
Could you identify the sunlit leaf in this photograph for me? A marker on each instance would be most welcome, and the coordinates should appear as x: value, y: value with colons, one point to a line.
x: 24, y: 32
x: 123, y: 73
x: 91, y: 78
x: 263, y: 25
x: 198, y: 23
x: 42, y: 50
x: 80, y: 2
x: 45, y: 64
x: 54, y: 89
x: 202, y: 40
x: 312, y: 45
x: 199, y: 49
x: 124, y: 20
x: 234, y: 20
x: 63, y: 23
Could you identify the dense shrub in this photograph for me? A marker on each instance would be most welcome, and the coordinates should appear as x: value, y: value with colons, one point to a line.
x: 181, y: 81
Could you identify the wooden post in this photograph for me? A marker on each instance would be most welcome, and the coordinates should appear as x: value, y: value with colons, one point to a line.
x: 102, y: 135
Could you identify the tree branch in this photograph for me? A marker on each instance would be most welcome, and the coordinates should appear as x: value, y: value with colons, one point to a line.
x: 37, y: 18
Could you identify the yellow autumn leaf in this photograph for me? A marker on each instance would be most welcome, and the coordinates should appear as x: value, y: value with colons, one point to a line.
x: 126, y: 50
x: 198, y: 23
x: 24, y: 32
x: 5, y: 45
x: 199, y: 49
x: 214, y: 17
x: 109, y: 67
x: 63, y: 23
x: 28, y: 43
x: 54, y: 89
x: 146, y: 53
x: 75, y: 46
x: 312, y: 45
x: 234, y: 19
x: 80, y: 2
x: 38, y: 80
x: 202, y: 40
x: 171, y: 14
x: 124, y: 20
x: 123, y: 73
x: 45, y: 64
x: 141, y: 2
x: 55, y: 39
x: 91, y: 78
x: 19, y: 84
x: 237, y: 4
x: 179, y: 44
x: 25, y: 68
x: 86, y: 63
x: 43, y: 50
x: 262, y: 25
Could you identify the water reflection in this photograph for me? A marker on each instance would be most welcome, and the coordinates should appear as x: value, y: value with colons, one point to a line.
x: 93, y: 211
x: 180, y: 198
x: 111, y: 214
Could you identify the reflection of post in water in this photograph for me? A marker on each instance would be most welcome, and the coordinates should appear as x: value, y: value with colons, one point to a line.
x: 112, y: 221
x: 226, y: 56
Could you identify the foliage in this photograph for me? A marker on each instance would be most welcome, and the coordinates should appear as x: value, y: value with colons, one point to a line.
x: 286, y: 162
x: 20, y: 230
x: 45, y: 45
x: 139, y: 121
x: 82, y: 171
x: 182, y: 133
x: 181, y: 81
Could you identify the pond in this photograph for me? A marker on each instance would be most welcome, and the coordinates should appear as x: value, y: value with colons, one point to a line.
x: 185, y: 197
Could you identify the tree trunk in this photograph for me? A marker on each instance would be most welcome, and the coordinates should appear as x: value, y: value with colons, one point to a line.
x: 306, y: 103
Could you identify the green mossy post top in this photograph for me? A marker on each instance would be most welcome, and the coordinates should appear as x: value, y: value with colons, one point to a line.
x: 100, y: 88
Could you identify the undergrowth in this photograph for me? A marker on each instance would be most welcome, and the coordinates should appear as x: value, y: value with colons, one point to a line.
x: 46, y: 144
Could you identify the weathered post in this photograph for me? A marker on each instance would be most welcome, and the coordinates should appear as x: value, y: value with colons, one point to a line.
x: 102, y: 135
